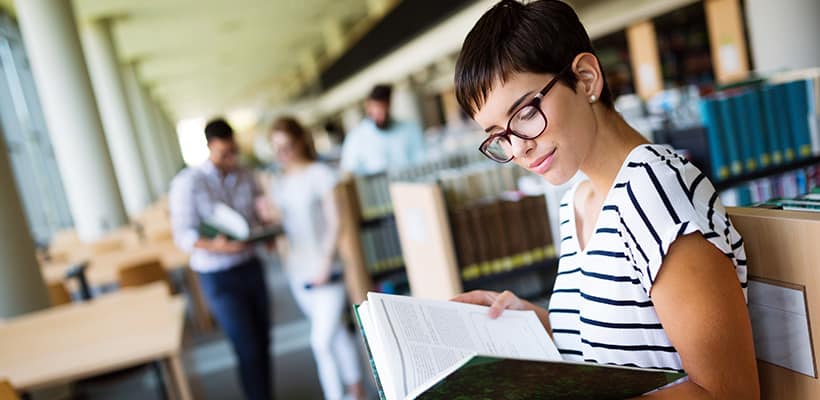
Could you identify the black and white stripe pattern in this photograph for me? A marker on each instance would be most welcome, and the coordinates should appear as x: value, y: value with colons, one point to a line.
x: 601, y: 310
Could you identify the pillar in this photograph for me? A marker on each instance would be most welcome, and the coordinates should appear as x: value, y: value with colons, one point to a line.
x: 116, y: 116
x: 148, y: 138
x: 22, y: 288
x: 53, y: 44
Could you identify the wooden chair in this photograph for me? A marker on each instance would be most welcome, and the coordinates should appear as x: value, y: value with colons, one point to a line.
x: 144, y: 272
x: 58, y: 294
x: 7, y: 392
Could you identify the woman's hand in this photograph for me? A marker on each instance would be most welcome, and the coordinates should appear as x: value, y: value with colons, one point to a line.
x: 506, y: 300
x: 498, y: 302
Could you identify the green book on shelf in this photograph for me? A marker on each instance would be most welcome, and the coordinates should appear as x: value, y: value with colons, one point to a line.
x: 431, y: 349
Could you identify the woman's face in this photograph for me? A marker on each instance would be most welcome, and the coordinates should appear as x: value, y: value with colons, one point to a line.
x: 285, y: 149
x: 557, y: 154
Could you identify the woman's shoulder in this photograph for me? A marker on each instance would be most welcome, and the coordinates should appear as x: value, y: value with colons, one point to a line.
x: 658, y: 173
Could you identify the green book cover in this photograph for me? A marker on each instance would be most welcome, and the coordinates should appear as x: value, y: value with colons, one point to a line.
x: 484, y: 377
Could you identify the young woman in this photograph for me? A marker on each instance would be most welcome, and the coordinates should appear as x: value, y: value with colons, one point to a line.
x: 303, y: 195
x: 652, y: 273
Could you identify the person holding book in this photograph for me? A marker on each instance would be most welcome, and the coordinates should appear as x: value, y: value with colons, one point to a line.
x: 231, y: 275
x: 652, y: 273
x: 303, y: 198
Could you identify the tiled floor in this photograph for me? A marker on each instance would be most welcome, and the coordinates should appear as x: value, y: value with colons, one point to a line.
x: 210, y: 363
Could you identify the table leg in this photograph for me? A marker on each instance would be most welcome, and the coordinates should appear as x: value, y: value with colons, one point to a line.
x: 202, y: 317
x: 163, y: 381
x: 178, y: 377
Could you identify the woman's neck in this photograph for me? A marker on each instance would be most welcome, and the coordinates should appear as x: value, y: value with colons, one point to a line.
x: 613, y: 142
x: 296, y: 166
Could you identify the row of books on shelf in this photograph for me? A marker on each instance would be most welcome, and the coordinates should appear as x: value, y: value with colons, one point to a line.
x: 762, y: 123
x: 499, y: 235
x: 381, y: 247
x: 374, y: 190
x: 477, y: 182
x: 782, y: 186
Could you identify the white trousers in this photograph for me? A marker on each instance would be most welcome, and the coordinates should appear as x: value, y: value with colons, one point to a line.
x: 333, y: 346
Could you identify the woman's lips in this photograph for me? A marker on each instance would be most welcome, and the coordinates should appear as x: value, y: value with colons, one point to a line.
x: 542, y: 164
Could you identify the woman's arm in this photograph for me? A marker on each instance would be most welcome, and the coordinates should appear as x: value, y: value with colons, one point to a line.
x: 702, y: 309
x: 331, y: 236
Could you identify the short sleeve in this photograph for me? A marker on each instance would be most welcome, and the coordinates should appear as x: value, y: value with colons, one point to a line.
x: 662, y: 201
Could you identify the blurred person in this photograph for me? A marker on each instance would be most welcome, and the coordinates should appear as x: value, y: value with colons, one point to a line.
x: 231, y: 274
x: 380, y: 142
x: 652, y: 273
x: 303, y: 196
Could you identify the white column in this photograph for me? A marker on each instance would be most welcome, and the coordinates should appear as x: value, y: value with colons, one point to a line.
x: 148, y: 140
x: 53, y: 45
x: 405, y: 105
x: 164, y: 137
x: 21, y: 284
x: 173, y: 142
x: 116, y: 117
x: 783, y: 33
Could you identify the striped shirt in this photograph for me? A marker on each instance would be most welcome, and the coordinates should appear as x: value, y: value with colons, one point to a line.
x: 600, y: 309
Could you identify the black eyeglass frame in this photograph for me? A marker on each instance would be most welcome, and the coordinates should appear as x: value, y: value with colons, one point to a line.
x: 535, y: 102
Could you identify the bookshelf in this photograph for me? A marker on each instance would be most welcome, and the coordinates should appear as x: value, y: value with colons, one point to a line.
x: 430, y: 249
x: 367, y: 246
x: 764, y: 173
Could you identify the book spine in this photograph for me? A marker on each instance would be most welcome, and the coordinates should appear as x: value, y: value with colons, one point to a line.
x: 759, y: 138
x: 711, y: 120
x: 746, y: 138
x: 798, y: 94
x: 781, y: 108
x: 729, y: 134
x: 772, y: 124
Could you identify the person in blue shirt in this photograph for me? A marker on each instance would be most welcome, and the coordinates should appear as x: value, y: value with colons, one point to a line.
x: 381, y: 143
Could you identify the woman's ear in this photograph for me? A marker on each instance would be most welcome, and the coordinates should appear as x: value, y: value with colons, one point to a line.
x: 587, y: 70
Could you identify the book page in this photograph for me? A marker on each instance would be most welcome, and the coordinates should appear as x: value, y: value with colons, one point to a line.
x: 422, y: 338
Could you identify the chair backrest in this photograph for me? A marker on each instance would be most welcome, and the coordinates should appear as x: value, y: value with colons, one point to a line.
x: 142, y: 273
x: 7, y: 391
x: 106, y: 245
x: 58, y: 294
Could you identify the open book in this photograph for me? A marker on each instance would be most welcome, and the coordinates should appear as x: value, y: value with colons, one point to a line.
x: 429, y: 349
x: 228, y: 222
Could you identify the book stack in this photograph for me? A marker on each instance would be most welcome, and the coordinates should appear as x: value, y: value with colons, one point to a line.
x: 380, y: 244
x: 762, y: 124
x: 498, y: 235
x: 374, y: 196
x: 477, y: 182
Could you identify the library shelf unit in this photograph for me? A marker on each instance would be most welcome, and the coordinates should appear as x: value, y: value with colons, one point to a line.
x: 359, y: 279
x: 428, y: 246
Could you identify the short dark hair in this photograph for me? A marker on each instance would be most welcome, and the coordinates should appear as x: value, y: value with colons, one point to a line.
x: 543, y: 36
x: 291, y: 127
x: 381, y: 92
x: 218, y: 128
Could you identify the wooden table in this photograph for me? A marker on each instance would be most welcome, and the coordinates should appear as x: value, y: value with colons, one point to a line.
x: 103, y: 270
x: 131, y: 327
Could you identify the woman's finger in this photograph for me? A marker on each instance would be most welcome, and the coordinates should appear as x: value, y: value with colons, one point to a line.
x: 502, y: 302
x: 479, y: 297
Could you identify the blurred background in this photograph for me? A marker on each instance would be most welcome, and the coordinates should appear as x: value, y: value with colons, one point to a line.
x: 104, y: 102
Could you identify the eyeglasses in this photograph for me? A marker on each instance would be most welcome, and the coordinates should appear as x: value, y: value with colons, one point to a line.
x: 529, y: 122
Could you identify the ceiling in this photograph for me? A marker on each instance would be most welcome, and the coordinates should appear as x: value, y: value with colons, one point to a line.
x: 200, y: 57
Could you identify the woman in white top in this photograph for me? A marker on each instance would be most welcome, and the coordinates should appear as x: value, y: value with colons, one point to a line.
x: 303, y: 196
x: 652, y: 273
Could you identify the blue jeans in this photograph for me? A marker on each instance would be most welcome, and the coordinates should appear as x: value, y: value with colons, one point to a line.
x: 238, y: 299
